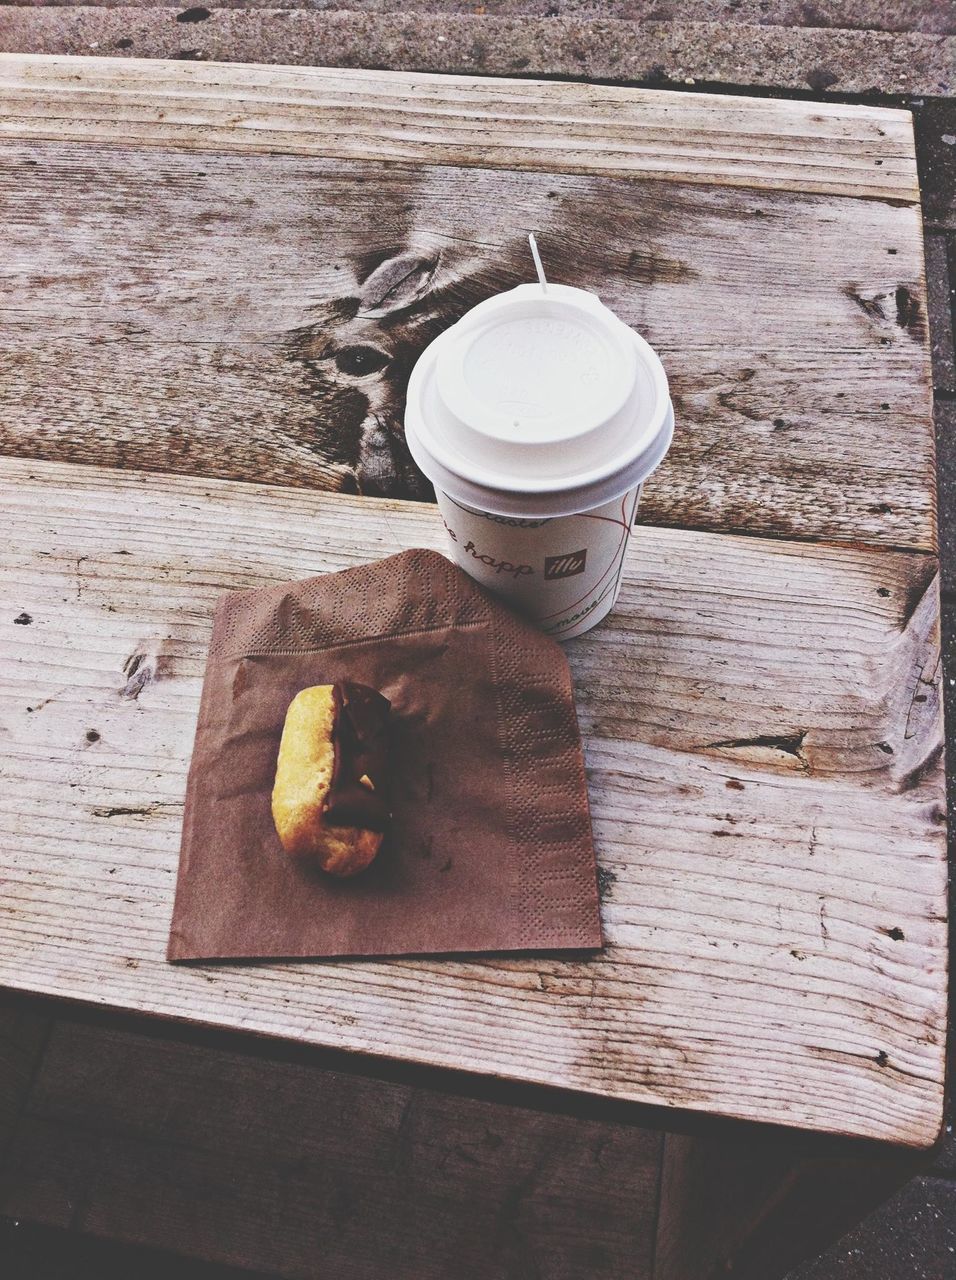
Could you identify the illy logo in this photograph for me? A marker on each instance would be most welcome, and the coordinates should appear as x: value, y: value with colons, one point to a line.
x: 565, y: 566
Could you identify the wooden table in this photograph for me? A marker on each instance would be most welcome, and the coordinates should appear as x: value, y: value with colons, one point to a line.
x: 214, y: 281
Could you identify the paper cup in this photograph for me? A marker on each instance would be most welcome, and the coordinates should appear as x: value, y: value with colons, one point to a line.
x: 565, y: 573
x: 537, y: 417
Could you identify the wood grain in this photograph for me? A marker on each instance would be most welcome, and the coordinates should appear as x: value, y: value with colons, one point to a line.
x: 273, y: 1166
x: 763, y: 739
x: 198, y: 312
x: 462, y: 120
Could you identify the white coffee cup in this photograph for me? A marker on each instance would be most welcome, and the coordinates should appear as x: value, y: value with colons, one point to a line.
x: 538, y: 417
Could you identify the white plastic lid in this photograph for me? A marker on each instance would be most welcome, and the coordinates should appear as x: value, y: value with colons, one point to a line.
x: 538, y: 402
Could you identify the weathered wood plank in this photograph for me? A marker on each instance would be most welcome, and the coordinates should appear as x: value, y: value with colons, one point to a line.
x: 284, y: 1168
x: 403, y: 116
x: 206, y: 313
x: 241, y: 1159
x: 763, y: 740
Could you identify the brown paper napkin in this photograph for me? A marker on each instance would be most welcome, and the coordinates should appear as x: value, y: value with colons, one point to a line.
x: 490, y: 847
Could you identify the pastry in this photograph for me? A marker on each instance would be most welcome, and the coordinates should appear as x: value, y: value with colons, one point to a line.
x: 329, y: 800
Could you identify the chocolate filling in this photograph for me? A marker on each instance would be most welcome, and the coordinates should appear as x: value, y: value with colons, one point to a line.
x: 360, y: 742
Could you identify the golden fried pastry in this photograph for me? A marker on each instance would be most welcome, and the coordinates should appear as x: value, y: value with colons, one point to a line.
x: 329, y: 801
